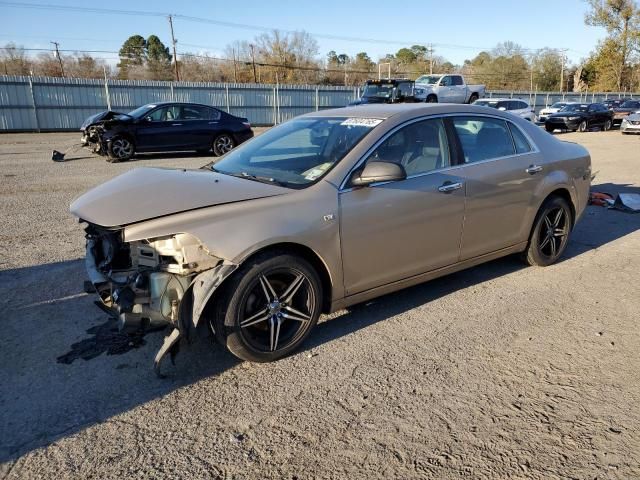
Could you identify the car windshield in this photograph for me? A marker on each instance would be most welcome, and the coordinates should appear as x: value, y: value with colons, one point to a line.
x: 378, y: 90
x: 630, y: 104
x: 575, y: 108
x: 428, y: 79
x: 296, y: 153
x: 558, y: 105
x: 141, y: 111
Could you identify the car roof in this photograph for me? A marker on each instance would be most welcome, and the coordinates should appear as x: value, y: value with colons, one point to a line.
x: 500, y: 99
x: 409, y: 110
x: 158, y: 104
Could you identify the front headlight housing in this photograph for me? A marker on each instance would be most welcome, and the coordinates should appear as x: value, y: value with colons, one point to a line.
x: 573, y: 118
x: 180, y: 254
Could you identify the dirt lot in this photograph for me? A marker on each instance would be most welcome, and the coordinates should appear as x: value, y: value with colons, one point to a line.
x: 497, y: 372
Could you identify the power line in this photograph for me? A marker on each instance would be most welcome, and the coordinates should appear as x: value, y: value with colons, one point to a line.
x: 245, y: 26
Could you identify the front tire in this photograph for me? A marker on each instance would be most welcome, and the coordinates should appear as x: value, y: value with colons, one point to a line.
x: 549, y: 128
x: 120, y: 149
x: 222, y: 144
x: 583, y: 126
x: 432, y: 99
x: 268, y: 307
x: 550, y: 233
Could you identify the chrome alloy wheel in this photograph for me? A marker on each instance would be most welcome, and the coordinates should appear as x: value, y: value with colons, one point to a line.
x: 122, y: 148
x: 223, y: 144
x: 277, y: 310
x: 553, y: 232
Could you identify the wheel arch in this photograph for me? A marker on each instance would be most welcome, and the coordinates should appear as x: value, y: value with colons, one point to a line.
x: 564, y: 193
x: 302, y: 251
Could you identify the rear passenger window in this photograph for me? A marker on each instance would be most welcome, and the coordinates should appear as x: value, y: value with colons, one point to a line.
x: 520, y: 141
x: 483, y: 138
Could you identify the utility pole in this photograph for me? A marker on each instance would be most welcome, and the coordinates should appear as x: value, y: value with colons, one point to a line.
x: 235, y: 66
x: 175, y: 55
x: 562, y: 60
x: 430, y: 51
x: 253, y: 60
x: 57, y: 54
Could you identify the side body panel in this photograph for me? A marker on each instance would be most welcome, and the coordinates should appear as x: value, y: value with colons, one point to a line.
x: 399, y: 229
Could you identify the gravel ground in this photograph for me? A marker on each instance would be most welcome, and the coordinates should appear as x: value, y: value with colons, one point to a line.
x: 497, y: 372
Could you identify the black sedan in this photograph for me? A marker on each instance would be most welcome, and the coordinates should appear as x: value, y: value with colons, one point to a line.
x: 612, y: 103
x: 624, y: 110
x: 161, y: 127
x: 580, y: 117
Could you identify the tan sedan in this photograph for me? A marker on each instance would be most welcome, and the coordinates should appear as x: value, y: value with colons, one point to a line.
x: 324, y: 211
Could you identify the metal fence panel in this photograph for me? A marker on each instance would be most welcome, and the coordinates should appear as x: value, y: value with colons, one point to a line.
x: 50, y: 104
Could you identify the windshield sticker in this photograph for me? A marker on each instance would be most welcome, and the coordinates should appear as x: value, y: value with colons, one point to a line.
x: 317, y: 171
x: 362, y: 122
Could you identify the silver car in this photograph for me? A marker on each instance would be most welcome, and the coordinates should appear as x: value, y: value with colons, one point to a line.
x: 512, y: 105
x: 631, y: 124
x: 327, y: 210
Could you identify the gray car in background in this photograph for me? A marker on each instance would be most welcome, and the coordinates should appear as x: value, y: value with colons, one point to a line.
x: 325, y: 211
x: 514, y: 106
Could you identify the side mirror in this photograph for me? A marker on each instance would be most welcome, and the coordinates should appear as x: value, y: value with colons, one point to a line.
x: 375, y: 172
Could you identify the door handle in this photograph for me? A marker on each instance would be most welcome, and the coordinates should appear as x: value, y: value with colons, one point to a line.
x: 176, y: 124
x: 533, y: 169
x: 212, y: 123
x: 449, y: 187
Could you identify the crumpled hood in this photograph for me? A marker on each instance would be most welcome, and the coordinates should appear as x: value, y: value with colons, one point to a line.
x: 146, y: 193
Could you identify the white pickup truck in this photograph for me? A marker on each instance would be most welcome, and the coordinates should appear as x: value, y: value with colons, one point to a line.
x: 446, y: 88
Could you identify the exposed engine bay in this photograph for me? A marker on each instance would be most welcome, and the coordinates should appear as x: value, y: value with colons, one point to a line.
x: 94, y: 128
x: 150, y: 283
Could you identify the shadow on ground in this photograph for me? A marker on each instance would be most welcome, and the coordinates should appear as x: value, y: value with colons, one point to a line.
x: 45, y: 313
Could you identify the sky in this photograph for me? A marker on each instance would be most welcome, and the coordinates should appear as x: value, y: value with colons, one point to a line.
x: 457, y: 29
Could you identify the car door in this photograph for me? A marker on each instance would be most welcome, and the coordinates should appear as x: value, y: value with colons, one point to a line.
x: 445, y: 90
x: 595, y: 117
x: 394, y: 230
x: 157, y: 130
x: 502, y: 171
x: 196, y: 126
x: 458, y: 89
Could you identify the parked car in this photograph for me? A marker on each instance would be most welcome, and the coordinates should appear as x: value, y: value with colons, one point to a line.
x: 580, y: 117
x: 166, y: 126
x: 376, y: 198
x: 554, y: 108
x: 514, y: 106
x: 612, y: 103
x: 387, y: 91
x: 631, y: 123
x: 626, y: 108
x: 447, y: 89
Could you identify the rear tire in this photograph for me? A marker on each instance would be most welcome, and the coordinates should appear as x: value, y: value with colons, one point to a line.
x: 262, y: 322
x: 550, y: 233
x: 473, y: 98
x: 607, y: 126
x: 222, y: 144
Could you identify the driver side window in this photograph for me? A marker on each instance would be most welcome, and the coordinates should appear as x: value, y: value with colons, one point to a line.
x: 420, y: 147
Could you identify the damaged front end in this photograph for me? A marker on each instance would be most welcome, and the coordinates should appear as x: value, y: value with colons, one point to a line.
x: 165, y: 281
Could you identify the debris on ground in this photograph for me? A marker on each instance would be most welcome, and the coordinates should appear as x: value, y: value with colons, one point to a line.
x: 601, y: 199
x: 627, y: 202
